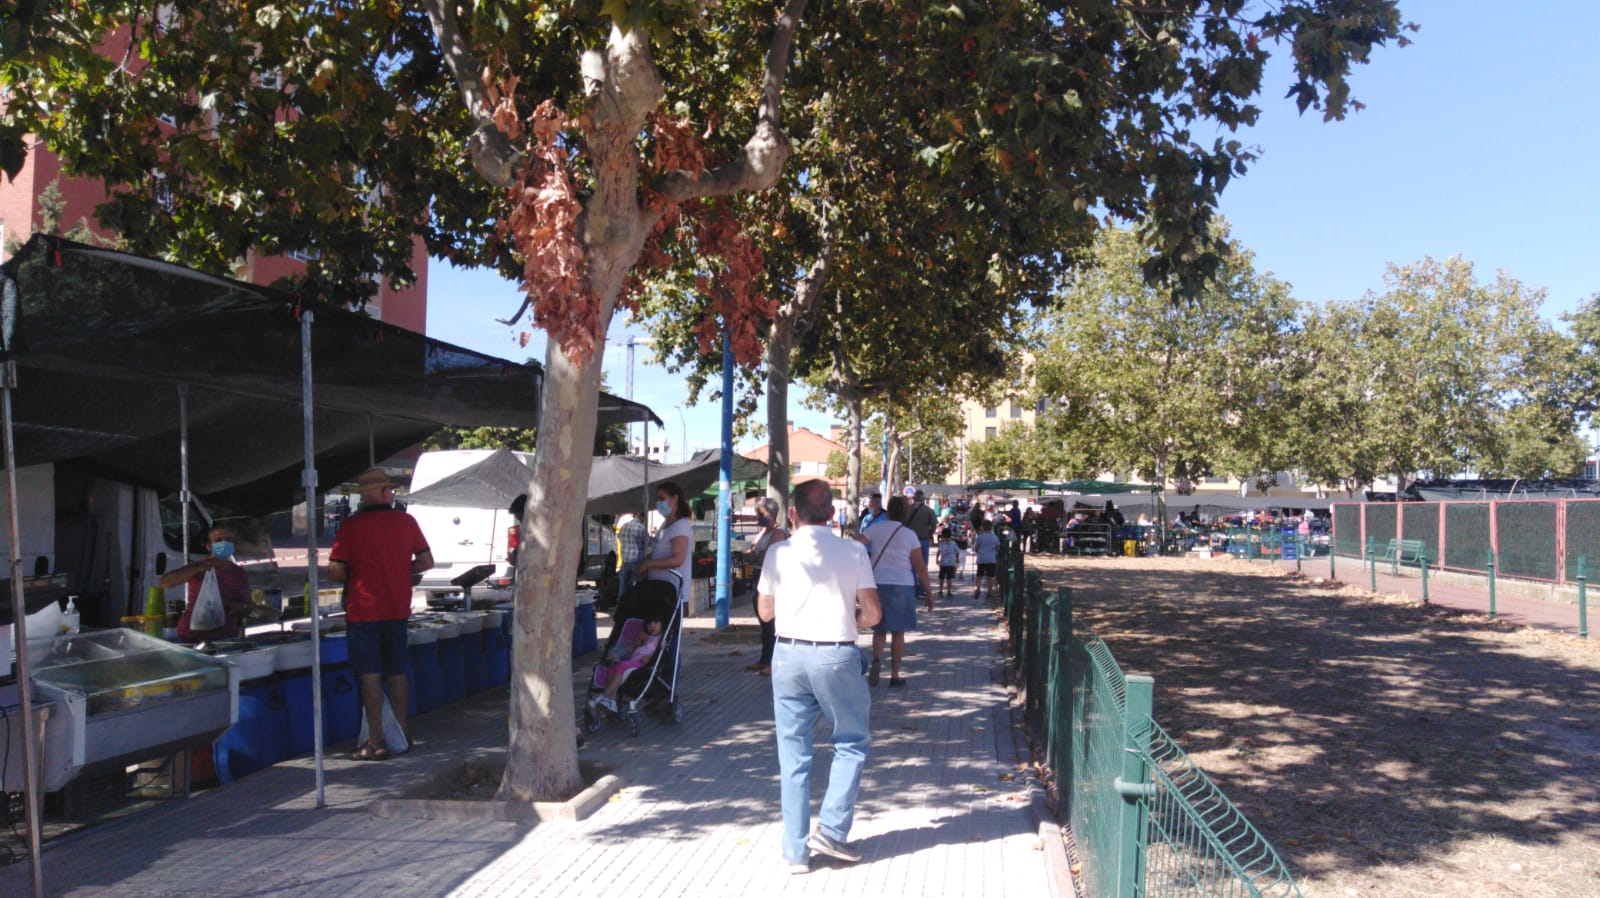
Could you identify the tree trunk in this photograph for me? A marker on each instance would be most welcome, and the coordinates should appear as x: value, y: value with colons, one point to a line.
x: 852, y: 486
x: 542, y: 758
x: 897, y: 477
x: 792, y: 319
x: 780, y: 343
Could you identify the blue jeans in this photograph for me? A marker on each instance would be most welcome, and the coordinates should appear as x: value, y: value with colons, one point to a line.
x: 807, y: 681
x: 625, y: 575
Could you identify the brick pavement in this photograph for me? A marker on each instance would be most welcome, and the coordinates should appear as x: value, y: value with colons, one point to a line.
x: 698, y: 815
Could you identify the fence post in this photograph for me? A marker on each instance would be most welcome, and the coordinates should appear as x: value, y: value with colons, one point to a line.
x: 1422, y: 560
x: 1492, y: 613
x: 1060, y: 635
x: 1134, y: 786
x: 1038, y: 674
x: 1372, y: 559
x: 1583, y: 598
x: 1333, y: 551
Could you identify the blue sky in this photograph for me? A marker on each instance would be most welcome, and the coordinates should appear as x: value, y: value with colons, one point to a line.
x: 1479, y: 140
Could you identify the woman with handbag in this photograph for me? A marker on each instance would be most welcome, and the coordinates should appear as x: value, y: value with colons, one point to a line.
x: 899, y: 566
x: 219, y: 591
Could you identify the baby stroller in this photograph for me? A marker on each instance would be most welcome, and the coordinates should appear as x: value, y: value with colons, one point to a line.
x: 657, y: 680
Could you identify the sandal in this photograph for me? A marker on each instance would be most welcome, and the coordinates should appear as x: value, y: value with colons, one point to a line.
x: 370, y: 752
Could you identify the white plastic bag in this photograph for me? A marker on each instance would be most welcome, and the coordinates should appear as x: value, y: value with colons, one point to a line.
x: 394, y: 738
x: 208, y: 613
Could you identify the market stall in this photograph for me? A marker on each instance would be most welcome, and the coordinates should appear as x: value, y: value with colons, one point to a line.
x: 169, y: 378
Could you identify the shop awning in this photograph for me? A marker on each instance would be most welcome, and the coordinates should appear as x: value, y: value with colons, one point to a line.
x: 102, y: 339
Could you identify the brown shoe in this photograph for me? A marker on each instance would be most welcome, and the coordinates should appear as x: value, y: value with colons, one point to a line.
x: 754, y: 666
x: 766, y: 671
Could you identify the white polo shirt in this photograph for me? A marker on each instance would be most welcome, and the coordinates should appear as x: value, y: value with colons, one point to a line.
x: 813, y: 577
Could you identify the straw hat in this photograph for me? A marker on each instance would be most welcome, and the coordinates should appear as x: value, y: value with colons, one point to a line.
x: 373, y: 478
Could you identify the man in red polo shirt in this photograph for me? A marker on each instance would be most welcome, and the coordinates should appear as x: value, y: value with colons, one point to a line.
x: 375, y: 554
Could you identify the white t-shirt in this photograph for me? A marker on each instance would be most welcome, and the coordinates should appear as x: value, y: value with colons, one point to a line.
x: 813, y: 577
x: 662, y: 548
x: 892, y: 545
x: 949, y: 553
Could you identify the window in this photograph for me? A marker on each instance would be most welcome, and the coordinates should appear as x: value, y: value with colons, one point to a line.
x: 989, y: 433
x: 304, y: 255
x: 991, y: 412
x: 794, y: 468
x: 1016, y: 410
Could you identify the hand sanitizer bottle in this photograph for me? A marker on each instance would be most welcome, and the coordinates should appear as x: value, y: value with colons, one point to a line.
x: 69, y: 618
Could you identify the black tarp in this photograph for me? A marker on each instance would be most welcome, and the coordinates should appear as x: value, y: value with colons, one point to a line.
x: 102, y: 339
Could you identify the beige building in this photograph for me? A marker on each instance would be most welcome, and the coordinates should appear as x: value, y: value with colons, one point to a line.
x: 980, y: 421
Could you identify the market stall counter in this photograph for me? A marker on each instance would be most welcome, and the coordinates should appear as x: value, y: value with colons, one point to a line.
x: 122, y: 696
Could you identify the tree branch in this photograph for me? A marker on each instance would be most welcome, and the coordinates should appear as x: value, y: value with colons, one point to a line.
x: 758, y: 167
x: 492, y: 153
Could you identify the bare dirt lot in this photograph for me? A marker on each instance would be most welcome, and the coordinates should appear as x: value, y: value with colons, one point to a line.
x: 1384, y: 748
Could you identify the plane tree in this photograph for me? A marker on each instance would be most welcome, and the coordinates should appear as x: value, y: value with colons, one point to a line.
x: 564, y: 145
x: 1033, y: 124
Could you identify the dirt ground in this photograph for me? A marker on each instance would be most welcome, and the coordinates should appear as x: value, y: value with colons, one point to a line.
x: 1385, y: 749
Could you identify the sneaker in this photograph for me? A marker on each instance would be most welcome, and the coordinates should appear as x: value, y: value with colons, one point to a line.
x: 873, y: 673
x: 609, y: 703
x: 800, y: 869
x: 820, y: 843
x: 897, y: 681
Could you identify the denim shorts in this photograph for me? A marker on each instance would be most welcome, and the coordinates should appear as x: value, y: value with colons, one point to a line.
x: 378, y: 646
x: 899, y: 608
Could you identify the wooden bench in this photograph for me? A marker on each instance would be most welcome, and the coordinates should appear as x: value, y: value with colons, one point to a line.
x: 1402, y: 551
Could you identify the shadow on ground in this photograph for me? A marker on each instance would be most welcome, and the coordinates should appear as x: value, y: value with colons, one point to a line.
x: 1355, y: 732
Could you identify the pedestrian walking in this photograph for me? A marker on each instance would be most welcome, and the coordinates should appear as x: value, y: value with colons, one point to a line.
x: 899, y: 569
x: 819, y: 589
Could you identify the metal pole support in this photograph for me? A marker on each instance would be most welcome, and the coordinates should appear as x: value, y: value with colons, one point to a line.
x: 1372, y: 561
x: 1583, y: 598
x: 1422, y: 561
x: 1492, y: 613
x: 1134, y: 786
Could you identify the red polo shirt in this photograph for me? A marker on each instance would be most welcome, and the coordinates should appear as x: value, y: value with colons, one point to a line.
x: 376, y: 546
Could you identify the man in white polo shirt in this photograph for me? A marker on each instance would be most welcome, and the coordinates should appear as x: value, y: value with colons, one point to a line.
x: 819, y: 587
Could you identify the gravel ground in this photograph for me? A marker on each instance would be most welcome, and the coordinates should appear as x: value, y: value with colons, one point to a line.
x: 1384, y: 748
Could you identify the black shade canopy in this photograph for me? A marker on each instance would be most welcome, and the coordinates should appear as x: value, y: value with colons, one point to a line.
x: 103, y: 339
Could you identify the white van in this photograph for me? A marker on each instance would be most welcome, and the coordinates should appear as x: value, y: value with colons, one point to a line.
x: 464, y: 538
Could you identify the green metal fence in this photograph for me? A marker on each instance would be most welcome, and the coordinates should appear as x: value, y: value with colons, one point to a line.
x: 1147, y: 821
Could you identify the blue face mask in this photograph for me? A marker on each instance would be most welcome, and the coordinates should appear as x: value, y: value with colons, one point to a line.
x: 664, y: 508
x: 222, y: 549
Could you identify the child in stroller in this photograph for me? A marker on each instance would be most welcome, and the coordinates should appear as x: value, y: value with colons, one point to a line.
x: 632, y: 650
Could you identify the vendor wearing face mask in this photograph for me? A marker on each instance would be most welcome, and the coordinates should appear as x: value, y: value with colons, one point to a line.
x: 232, y: 583
x: 671, y: 552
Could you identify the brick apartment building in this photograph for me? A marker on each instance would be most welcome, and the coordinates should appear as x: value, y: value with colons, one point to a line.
x: 20, y: 217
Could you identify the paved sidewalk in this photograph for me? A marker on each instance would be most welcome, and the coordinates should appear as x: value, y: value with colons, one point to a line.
x: 939, y: 814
